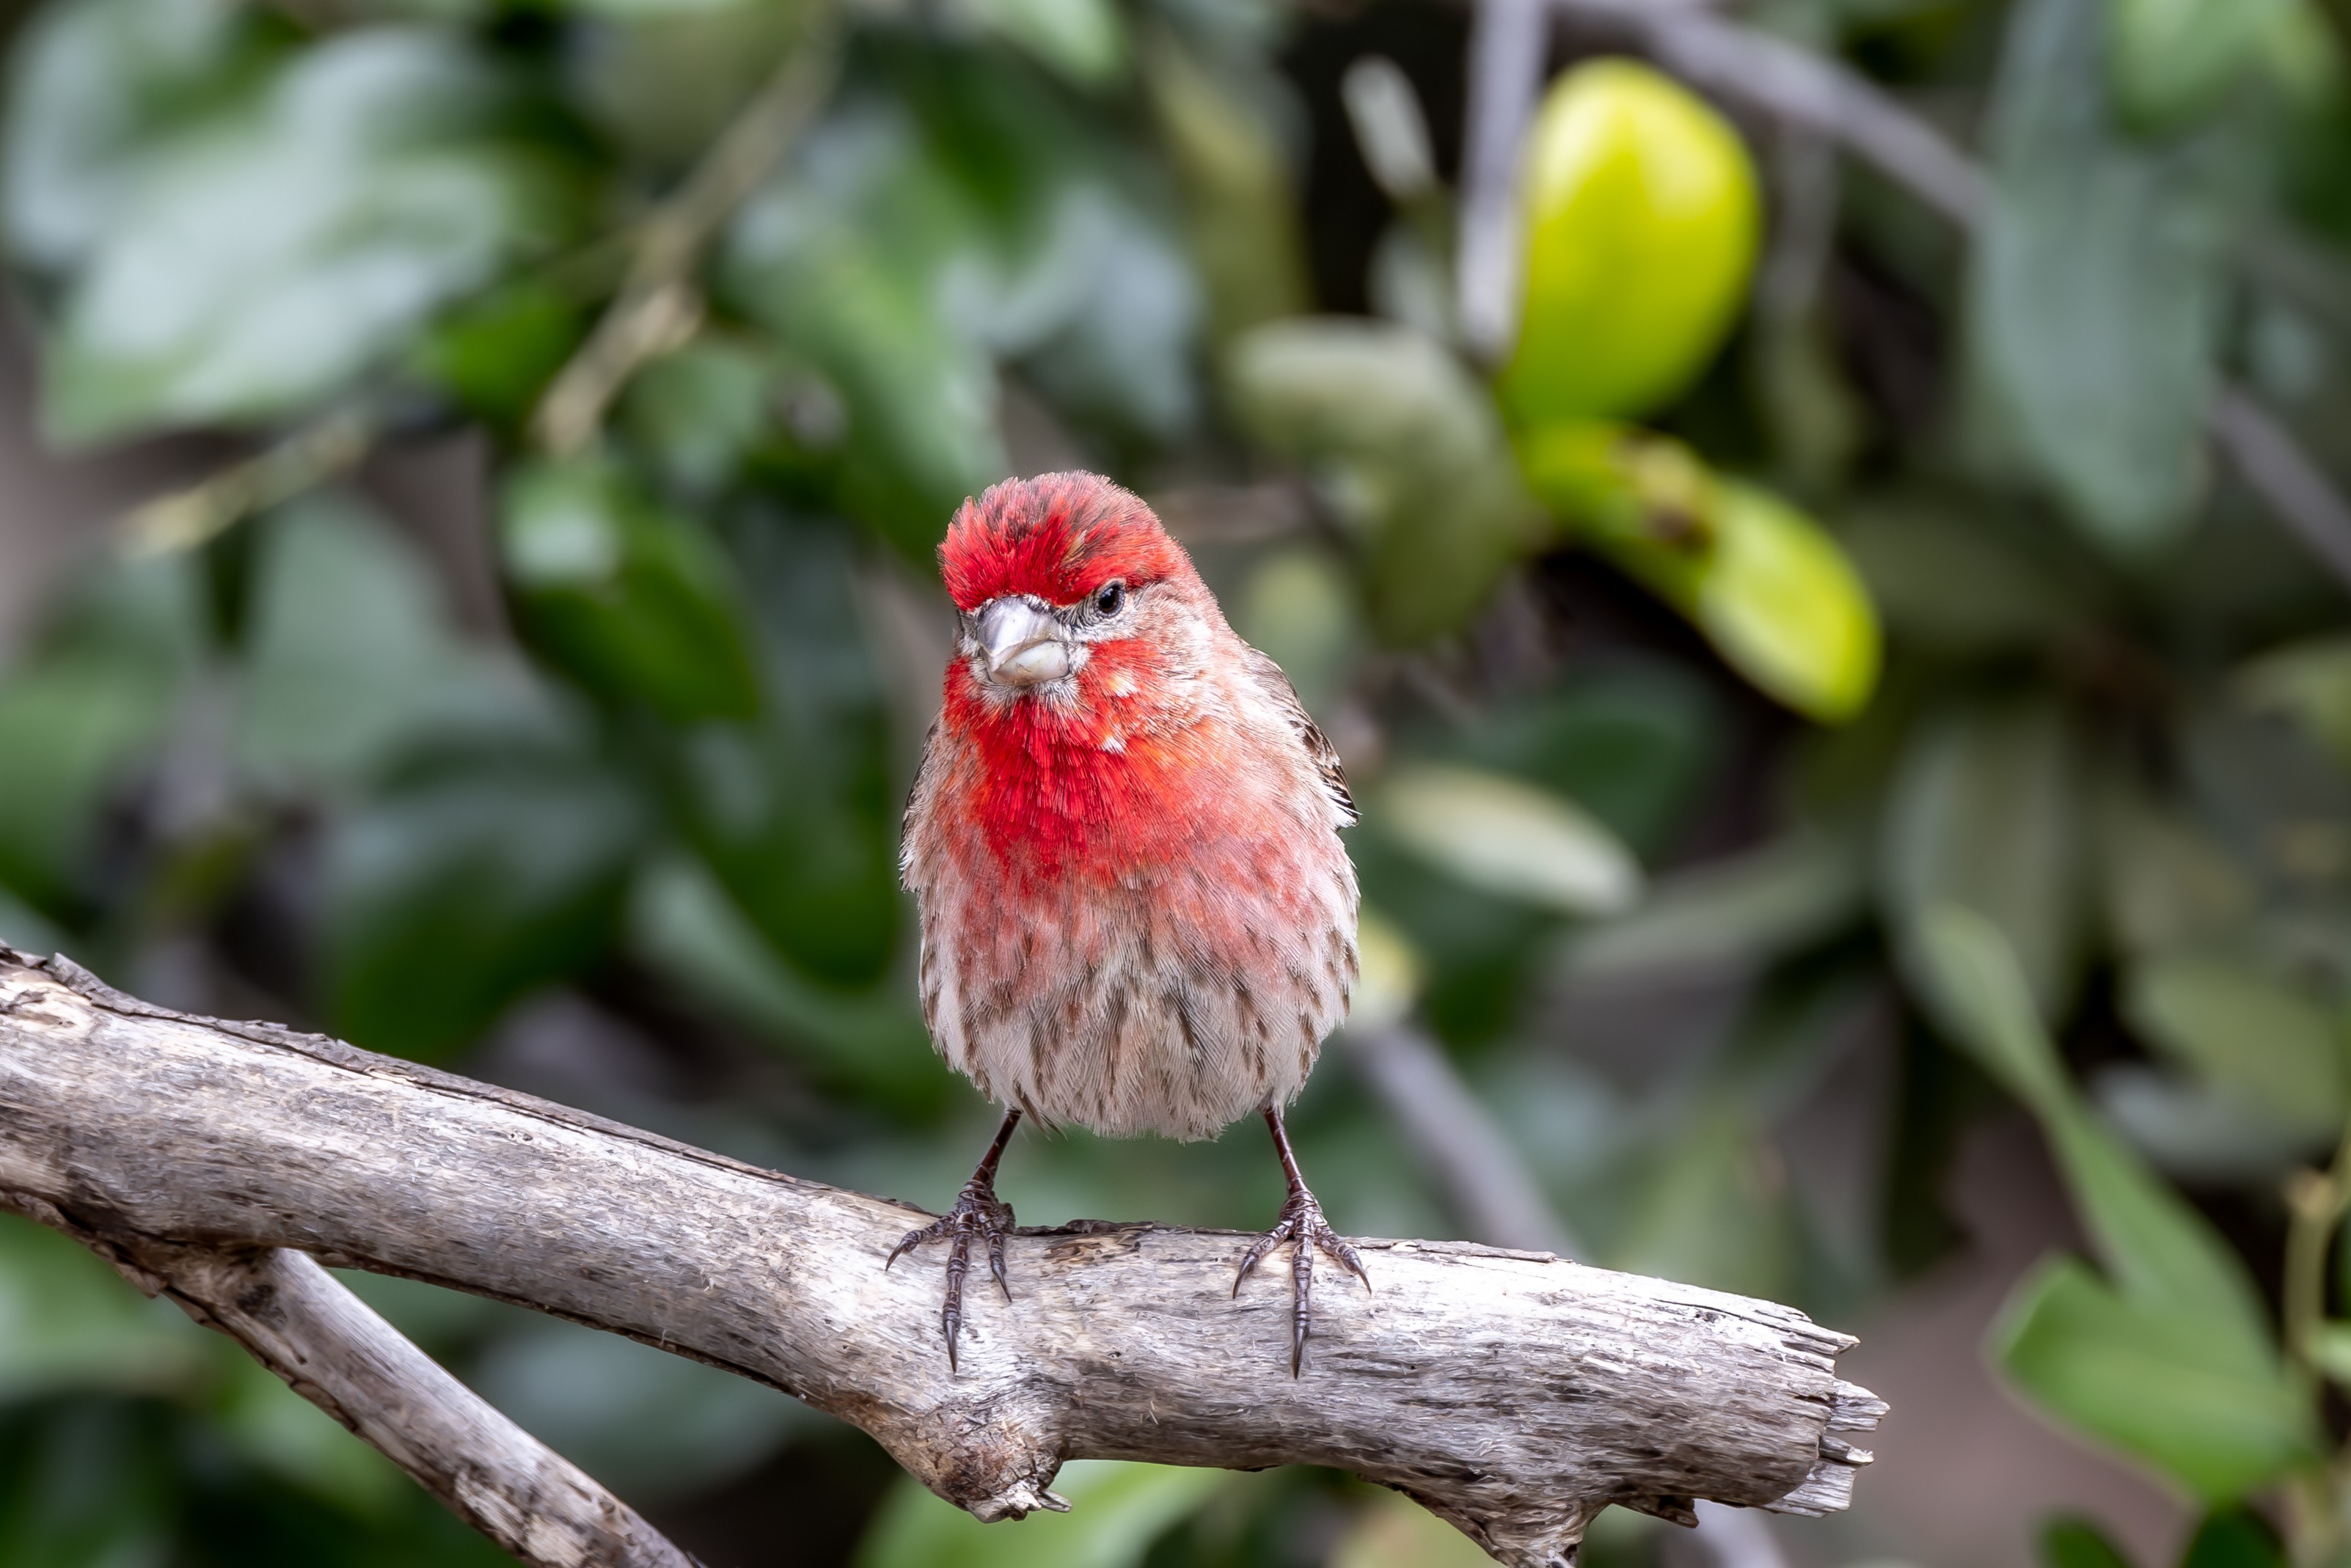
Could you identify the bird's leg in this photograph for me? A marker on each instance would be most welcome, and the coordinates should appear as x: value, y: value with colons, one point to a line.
x: 1302, y: 1226
x: 976, y: 1212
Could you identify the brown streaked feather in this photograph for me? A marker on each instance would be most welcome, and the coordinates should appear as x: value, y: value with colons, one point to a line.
x: 1277, y: 685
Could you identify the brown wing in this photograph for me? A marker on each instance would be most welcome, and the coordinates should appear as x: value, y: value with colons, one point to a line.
x: 1326, y: 760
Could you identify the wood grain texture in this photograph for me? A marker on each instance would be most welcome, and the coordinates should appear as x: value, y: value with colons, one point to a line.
x: 1514, y: 1393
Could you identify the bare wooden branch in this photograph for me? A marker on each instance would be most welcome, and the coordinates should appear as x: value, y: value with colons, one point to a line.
x: 1514, y: 1393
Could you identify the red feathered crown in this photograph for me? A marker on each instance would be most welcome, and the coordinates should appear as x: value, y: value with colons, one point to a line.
x: 1058, y: 536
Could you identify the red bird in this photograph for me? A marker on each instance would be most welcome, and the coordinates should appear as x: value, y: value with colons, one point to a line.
x: 1136, y: 913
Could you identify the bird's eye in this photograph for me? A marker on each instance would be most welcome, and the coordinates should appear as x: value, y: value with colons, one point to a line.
x: 1109, y: 597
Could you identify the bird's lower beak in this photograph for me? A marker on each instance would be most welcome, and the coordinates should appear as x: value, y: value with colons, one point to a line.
x: 1023, y: 646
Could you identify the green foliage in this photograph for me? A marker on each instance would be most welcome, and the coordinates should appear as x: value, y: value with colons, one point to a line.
x: 634, y: 603
x: 2101, y: 267
x: 1412, y: 454
x: 2172, y: 1361
x: 1911, y: 667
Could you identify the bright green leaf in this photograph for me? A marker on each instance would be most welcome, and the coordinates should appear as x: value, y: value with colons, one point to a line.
x: 1769, y: 587
x: 2141, y: 1377
x: 2330, y: 1351
x: 1641, y: 216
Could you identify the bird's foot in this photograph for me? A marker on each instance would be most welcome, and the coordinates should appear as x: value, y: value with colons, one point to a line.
x: 1302, y: 1226
x: 978, y: 1215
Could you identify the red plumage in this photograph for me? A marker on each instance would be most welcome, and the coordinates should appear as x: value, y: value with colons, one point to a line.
x: 1136, y: 913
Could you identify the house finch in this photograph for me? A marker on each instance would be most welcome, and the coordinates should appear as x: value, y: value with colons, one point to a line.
x: 1136, y: 913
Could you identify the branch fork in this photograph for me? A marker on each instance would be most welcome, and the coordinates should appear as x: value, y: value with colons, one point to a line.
x: 1513, y: 1393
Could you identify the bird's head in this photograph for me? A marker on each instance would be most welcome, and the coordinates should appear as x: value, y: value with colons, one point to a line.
x: 1057, y: 572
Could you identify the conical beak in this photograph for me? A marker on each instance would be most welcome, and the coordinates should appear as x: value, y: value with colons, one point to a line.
x: 1021, y: 643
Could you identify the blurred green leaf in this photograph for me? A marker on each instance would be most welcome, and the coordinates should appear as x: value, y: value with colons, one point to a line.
x: 1631, y: 744
x: 2174, y: 1363
x: 2250, y: 1035
x: 2311, y: 681
x: 649, y: 1423
x: 462, y: 885
x: 1391, y: 1531
x: 495, y: 355
x: 2233, y: 1538
x: 2166, y: 884
x: 2076, y: 1543
x: 1411, y: 453
x: 261, y: 264
x: 67, y: 1320
x: 2330, y: 1351
x: 1084, y: 40
x: 1766, y: 584
x: 1714, y: 1211
x: 661, y: 77
x: 636, y: 603
x: 793, y: 811
x: 1300, y: 609
x: 920, y: 395
x: 2196, y: 1131
x: 1116, y: 1512
x: 1743, y: 909
x: 2171, y: 60
x: 2157, y: 1249
x: 2145, y: 1378
x: 1641, y: 216
x: 96, y: 87
x: 681, y: 922
x: 93, y: 699
x: 352, y: 655
x: 1507, y: 838
x: 1947, y: 581
x: 281, y: 1433
x: 1239, y: 197
x: 699, y: 411
x: 2096, y: 300
x: 1986, y: 812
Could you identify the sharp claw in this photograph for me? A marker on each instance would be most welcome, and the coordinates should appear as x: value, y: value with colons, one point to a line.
x: 978, y: 1212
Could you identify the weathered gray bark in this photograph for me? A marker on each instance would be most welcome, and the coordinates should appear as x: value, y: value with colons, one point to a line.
x: 1514, y: 1393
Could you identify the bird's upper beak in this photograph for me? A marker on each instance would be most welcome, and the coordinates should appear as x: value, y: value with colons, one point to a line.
x: 1022, y: 645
